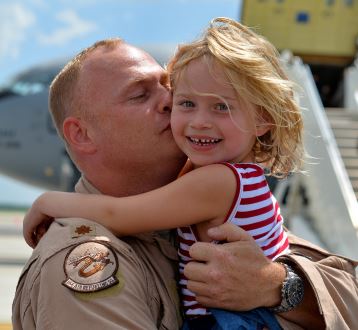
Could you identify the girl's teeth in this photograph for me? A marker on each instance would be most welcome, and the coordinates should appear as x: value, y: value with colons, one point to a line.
x: 204, y: 141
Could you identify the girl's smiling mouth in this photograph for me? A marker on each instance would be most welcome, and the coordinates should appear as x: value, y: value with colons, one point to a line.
x: 203, y: 141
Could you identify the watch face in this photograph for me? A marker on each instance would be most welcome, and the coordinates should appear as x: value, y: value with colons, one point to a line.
x: 295, y: 290
x: 292, y: 291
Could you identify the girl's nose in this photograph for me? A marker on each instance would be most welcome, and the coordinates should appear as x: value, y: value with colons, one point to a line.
x: 200, y: 121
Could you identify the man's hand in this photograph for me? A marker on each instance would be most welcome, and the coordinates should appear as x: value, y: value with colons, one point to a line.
x: 235, y: 275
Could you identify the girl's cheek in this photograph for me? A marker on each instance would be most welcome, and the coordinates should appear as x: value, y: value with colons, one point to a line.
x: 175, y: 121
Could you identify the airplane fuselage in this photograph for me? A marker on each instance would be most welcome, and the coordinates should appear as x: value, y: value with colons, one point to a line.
x: 30, y: 148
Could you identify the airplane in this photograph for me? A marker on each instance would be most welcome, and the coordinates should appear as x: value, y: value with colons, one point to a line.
x: 30, y: 148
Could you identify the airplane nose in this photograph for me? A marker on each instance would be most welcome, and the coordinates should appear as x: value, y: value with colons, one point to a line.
x: 30, y: 149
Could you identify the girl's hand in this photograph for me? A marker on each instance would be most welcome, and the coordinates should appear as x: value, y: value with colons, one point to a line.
x: 41, y: 230
x: 35, y: 223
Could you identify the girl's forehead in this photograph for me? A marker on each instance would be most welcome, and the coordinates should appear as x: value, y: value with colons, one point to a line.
x: 206, y: 65
x: 203, y: 75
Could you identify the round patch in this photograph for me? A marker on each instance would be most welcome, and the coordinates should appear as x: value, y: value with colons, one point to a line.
x: 90, y: 267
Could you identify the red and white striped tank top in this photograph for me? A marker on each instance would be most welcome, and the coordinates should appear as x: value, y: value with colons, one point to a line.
x: 255, y: 210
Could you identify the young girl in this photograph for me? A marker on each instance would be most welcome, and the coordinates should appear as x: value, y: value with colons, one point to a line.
x: 233, y: 114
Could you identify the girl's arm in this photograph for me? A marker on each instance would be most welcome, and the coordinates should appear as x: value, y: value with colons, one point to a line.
x: 201, y: 195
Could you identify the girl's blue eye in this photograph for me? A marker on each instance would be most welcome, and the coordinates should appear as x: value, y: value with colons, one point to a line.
x: 221, y: 107
x: 187, y: 104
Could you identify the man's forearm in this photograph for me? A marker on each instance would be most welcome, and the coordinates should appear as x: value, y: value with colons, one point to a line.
x: 236, y: 276
x: 307, y: 314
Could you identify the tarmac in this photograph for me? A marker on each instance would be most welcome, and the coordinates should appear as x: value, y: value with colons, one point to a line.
x: 13, y: 254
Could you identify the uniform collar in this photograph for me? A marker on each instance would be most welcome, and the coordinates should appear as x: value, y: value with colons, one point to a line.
x: 83, y: 186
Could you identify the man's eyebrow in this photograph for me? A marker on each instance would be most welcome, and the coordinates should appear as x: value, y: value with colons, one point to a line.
x: 137, y: 79
x: 142, y: 78
x: 134, y: 82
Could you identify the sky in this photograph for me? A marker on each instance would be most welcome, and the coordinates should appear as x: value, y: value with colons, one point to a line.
x: 38, y: 31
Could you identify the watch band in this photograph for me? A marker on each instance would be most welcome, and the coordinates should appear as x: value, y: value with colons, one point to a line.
x: 292, y: 291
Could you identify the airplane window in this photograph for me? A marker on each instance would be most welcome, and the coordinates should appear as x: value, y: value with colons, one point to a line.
x: 32, y: 81
x: 5, y: 92
x: 25, y: 88
x: 21, y: 88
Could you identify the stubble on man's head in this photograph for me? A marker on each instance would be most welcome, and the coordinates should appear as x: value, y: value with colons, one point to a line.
x: 66, y: 94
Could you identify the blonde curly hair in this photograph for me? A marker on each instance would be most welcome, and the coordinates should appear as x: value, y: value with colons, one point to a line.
x: 252, y: 67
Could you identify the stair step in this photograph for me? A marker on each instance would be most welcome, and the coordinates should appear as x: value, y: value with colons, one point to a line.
x: 345, y: 133
x: 341, y: 112
x: 353, y: 173
x: 345, y: 129
x: 355, y: 184
x: 349, y: 152
x: 343, y: 123
x: 351, y: 163
x: 347, y: 142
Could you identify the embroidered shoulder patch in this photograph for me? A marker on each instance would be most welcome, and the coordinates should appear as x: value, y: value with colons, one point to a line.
x: 90, y: 267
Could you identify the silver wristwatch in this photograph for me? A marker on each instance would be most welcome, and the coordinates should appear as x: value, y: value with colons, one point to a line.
x: 292, y: 291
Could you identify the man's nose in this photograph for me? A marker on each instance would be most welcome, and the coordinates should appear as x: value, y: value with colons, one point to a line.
x: 166, y: 101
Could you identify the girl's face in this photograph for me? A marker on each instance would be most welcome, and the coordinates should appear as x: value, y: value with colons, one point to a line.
x: 202, y: 124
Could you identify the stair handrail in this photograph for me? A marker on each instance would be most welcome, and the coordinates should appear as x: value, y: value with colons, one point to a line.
x: 334, y: 207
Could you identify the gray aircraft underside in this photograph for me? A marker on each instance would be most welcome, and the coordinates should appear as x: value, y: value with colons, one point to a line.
x: 30, y: 150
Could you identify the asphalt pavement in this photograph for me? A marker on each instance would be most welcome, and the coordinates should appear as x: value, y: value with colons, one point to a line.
x: 13, y: 254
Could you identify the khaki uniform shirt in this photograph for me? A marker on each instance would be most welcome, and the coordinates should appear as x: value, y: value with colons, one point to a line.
x: 133, y: 280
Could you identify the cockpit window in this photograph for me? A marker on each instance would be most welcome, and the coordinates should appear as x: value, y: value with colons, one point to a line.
x: 30, y: 82
x: 26, y: 88
x: 21, y: 88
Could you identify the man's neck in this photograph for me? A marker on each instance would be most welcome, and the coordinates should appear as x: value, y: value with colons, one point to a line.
x: 125, y: 183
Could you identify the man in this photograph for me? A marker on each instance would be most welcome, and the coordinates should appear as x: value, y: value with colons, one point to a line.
x: 111, y: 104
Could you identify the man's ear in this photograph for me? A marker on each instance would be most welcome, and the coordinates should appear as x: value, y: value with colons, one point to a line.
x: 76, y: 134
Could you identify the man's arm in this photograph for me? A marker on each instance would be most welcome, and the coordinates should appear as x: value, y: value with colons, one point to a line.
x: 237, y: 276
x: 333, y: 283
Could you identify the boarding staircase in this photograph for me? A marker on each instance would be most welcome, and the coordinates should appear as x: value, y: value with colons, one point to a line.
x: 344, y: 124
x: 331, y: 179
